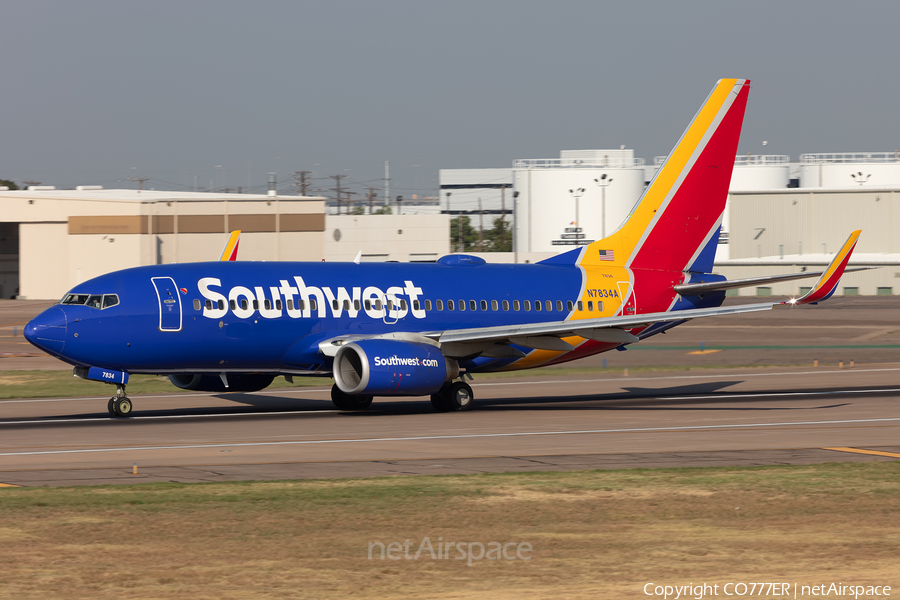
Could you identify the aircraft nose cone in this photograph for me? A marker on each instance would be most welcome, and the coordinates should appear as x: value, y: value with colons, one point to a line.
x: 47, y: 331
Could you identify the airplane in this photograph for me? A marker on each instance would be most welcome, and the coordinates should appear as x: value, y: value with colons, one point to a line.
x: 399, y: 329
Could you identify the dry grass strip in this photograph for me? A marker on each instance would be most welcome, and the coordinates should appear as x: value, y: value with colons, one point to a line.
x: 594, y: 534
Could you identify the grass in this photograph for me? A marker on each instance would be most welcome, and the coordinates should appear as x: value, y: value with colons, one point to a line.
x: 594, y: 534
x: 62, y: 384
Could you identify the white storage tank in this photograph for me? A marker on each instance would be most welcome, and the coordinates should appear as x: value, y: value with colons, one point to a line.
x: 760, y: 172
x: 850, y: 170
x: 560, y: 202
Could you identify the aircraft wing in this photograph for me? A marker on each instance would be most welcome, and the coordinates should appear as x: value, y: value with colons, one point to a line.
x: 491, y: 341
x: 587, y: 328
x: 612, y: 329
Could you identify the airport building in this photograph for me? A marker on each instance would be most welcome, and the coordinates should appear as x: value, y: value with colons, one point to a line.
x: 55, y: 239
x: 51, y: 240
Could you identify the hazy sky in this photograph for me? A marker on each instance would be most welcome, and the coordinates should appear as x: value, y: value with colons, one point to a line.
x: 96, y: 92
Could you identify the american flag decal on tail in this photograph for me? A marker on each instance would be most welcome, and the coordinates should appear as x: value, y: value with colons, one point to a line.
x: 607, y: 255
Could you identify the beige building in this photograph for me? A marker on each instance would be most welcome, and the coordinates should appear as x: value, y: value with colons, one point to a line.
x: 51, y: 240
x: 404, y: 238
x: 799, y: 229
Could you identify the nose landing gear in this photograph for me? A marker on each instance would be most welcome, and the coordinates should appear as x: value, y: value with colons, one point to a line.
x: 119, y: 405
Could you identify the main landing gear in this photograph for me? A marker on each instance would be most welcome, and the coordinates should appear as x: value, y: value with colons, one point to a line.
x: 119, y: 405
x: 454, y: 396
x: 343, y: 401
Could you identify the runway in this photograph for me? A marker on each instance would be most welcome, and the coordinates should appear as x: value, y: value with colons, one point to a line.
x: 792, y: 415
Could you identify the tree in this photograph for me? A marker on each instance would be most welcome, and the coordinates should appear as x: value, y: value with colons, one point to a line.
x: 9, y: 183
x: 498, y: 239
x: 384, y: 210
x: 358, y: 210
x: 469, y: 235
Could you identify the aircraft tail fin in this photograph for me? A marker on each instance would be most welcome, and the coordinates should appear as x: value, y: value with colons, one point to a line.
x: 231, y: 248
x: 675, y: 224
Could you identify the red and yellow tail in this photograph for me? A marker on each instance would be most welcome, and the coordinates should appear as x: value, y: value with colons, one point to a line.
x: 674, y: 226
x: 230, y: 251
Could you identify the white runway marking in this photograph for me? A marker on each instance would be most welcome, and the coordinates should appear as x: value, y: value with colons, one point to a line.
x: 449, y: 437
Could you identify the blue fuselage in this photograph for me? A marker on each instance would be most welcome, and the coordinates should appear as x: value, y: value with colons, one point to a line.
x: 271, y: 317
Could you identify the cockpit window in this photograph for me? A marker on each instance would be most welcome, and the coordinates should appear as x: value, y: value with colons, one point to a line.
x: 75, y: 299
x: 100, y: 301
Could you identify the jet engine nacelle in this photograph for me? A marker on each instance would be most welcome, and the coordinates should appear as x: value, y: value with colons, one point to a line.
x: 392, y: 368
x: 237, y: 382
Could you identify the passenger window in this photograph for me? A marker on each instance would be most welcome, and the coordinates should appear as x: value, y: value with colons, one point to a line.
x: 591, y: 305
x: 549, y: 305
x: 494, y: 305
x: 255, y: 304
x: 244, y: 304
x: 209, y: 305
x: 378, y: 304
x: 515, y: 305
x: 390, y: 305
x: 313, y: 305
x: 346, y: 305
x: 580, y: 305
x: 301, y: 305
x: 232, y: 304
x: 600, y: 306
x: 506, y: 305
x: 368, y: 304
x: 402, y: 303
x: 221, y: 305
x: 558, y: 306
x: 537, y: 305
x: 451, y: 305
x: 569, y: 305
x: 113, y: 299
x: 428, y: 305
x: 472, y: 305
x: 355, y: 304
x: 268, y: 304
x: 290, y: 304
x: 278, y: 304
x: 440, y: 304
x: 484, y: 305
x: 196, y: 304
x: 415, y: 305
x: 462, y: 305
x: 527, y: 305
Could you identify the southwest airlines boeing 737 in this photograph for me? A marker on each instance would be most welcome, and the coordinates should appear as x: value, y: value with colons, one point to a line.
x: 397, y: 329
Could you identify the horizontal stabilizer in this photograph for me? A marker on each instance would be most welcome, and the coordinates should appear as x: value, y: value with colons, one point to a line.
x: 694, y: 289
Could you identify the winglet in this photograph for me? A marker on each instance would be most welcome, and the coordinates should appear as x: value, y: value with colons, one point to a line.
x: 231, y: 248
x: 827, y: 283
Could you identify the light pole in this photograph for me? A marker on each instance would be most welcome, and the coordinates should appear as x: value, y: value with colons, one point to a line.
x: 576, y: 193
x: 515, y: 248
x: 602, y: 183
